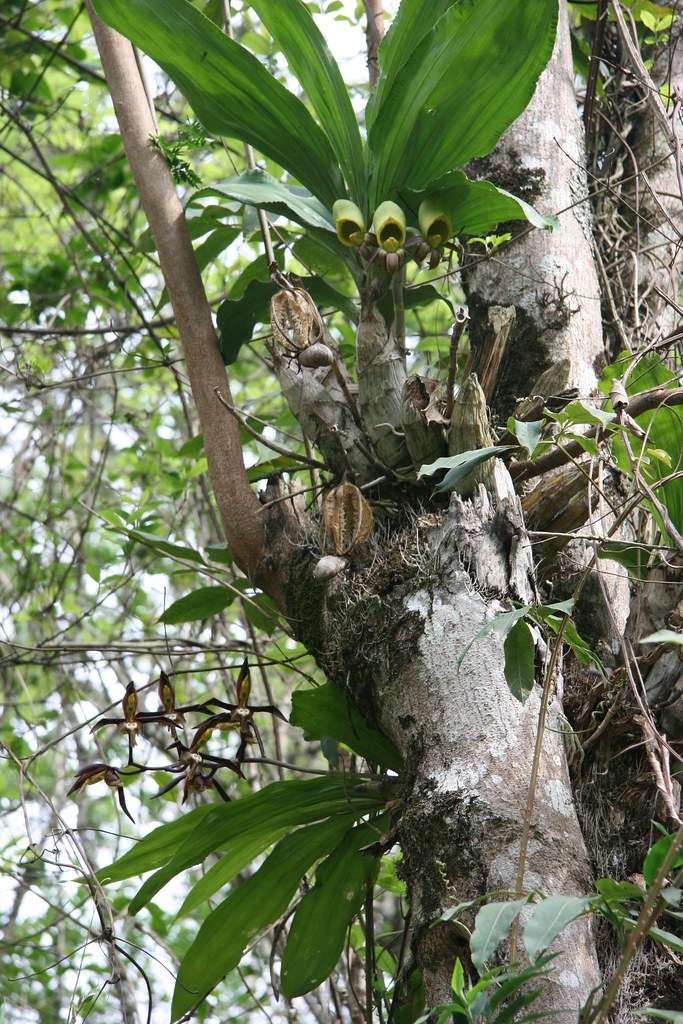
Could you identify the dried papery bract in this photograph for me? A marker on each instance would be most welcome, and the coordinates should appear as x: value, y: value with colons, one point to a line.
x: 347, y: 518
x: 294, y: 319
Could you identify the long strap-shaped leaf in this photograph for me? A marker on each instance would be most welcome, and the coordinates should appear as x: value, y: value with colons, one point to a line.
x: 460, y: 88
x: 228, y: 88
x: 293, y: 28
x: 250, y: 908
x: 414, y: 19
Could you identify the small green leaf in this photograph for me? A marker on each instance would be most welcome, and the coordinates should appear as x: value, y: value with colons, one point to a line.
x: 656, y: 857
x: 614, y: 891
x: 584, y: 413
x: 491, y: 926
x: 324, y: 711
x: 461, y: 465
x: 318, y: 930
x: 520, y: 670
x: 527, y: 433
x: 634, y: 558
x: 549, y: 918
x: 166, y: 547
x: 500, y: 625
x: 674, y: 942
x: 199, y: 604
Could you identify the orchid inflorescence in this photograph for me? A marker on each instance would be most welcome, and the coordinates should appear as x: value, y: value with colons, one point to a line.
x: 195, y: 767
x: 388, y: 239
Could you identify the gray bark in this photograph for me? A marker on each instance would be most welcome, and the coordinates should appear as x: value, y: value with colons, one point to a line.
x: 550, y: 278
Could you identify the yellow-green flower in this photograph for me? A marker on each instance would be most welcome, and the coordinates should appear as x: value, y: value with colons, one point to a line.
x: 389, y: 225
x: 435, y: 221
x: 349, y: 222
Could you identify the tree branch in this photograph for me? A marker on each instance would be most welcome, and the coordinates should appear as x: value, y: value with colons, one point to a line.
x: 238, y: 506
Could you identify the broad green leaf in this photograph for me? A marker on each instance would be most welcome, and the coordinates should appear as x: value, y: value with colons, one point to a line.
x: 633, y: 557
x: 460, y: 88
x: 249, y: 908
x: 477, y: 207
x: 310, y: 60
x: 318, y: 929
x: 663, y: 636
x: 201, y: 603
x: 228, y: 88
x: 414, y: 20
x: 269, y: 813
x: 236, y: 859
x: 461, y: 465
x: 491, y: 926
x: 260, y: 189
x: 324, y: 711
x: 549, y: 918
x: 614, y: 891
x: 520, y: 671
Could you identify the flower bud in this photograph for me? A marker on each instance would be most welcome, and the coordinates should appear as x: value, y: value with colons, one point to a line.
x: 435, y: 257
x: 349, y: 222
x: 393, y: 261
x: 389, y: 224
x: 435, y: 221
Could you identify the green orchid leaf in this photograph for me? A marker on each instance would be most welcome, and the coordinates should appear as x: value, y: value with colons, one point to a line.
x: 260, y: 189
x: 318, y: 931
x: 237, y: 318
x: 230, y: 91
x: 462, y: 85
x: 324, y: 711
x: 476, y: 207
x: 309, y: 59
x: 248, y: 909
x: 414, y: 20
x: 269, y: 813
x: 156, y: 848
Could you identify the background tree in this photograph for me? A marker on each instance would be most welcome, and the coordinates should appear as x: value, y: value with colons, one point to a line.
x: 475, y: 787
